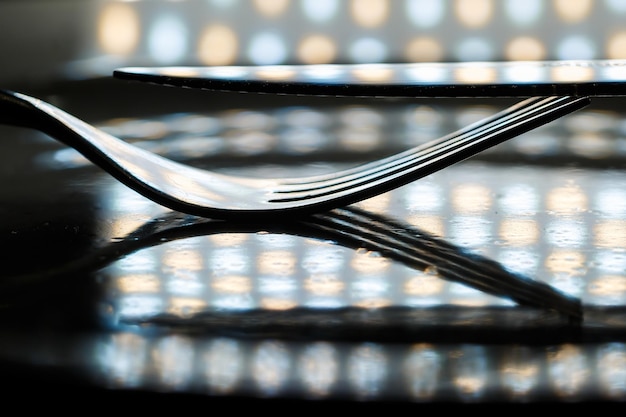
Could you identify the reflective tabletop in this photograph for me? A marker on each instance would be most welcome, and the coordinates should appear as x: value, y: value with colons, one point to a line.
x: 501, y: 279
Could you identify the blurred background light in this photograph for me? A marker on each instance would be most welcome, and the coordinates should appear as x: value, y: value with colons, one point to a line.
x: 572, y: 11
x: 474, y: 49
x: 524, y: 13
x: 320, y: 10
x: 576, y: 47
x: 425, y: 13
x: 218, y: 45
x: 105, y: 34
x: 119, y: 29
x: 317, y: 49
x: 369, y: 13
x: 271, y: 8
x: 267, y: 48
x: 168, y: 40
x: 542, y: 221
x: 474, y: 13
x: 525, y: 48
x: 368, y: 50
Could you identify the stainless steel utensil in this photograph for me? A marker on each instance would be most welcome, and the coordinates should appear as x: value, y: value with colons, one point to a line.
x: 200, y: 192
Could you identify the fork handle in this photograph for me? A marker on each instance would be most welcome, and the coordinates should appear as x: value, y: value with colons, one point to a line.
x: 21, y: 112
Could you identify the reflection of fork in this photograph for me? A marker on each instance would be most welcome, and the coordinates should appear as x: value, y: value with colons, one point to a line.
x: 209, y: 194
x: 350, y: 227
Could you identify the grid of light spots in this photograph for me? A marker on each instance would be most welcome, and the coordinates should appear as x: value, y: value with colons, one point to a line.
x: 559, y: 224
x: 356, y: 131
x: 550, y: 226
x: 161, y: 32
x: 420, y: 372
x: 547, y: 222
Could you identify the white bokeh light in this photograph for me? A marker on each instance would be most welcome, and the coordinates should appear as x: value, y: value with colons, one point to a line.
x: 618, y: 6
x: 474, y: 49
x: 168, y: 39
x: 425, y: 13
x: 525, y: 12
x: 267, y: 49
x: 368, y: 50
x: 222, y: 3
x: 320, y: 10
x: 576, y: 47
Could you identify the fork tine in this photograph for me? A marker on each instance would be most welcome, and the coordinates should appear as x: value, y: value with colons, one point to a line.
x: 426, y: 160
x: 446, y: 148
x: 338, y: 177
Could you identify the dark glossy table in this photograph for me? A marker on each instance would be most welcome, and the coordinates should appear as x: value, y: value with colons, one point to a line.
x: 498, y: 281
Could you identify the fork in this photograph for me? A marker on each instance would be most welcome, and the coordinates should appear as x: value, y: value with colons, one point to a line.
x: 204, y: 193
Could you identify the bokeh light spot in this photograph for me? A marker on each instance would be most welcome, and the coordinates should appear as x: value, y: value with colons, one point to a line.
x: 320, y: 10
x: 473, y: 13
x: 368, y: 50
x: 616, y: 45
x: 271, y: 8
x: 525, y: 48
x: 424, y: 49
x: 576, y: 47
x: 369, y: 13
x: 168, y: 39
x: 267, y: 49
x: 525, y: 12
x: 474, y: 49
x: 317, y: 49
x: 425, y: 13
x: 118, y: 29
x: 572, y: 11
x: 218, y: 45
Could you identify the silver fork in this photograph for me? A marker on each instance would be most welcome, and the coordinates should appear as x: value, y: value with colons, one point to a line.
x: 209, y: 194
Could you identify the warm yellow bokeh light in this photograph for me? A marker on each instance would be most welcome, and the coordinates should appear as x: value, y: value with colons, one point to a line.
x: 525, y: 48
x: 324, y: 285
x: 571, y: 73
x: 118, y: 29
x: 277, y: 304
x: 370, y: 262
x: 186, y: 307
x: 473, y: 13
x: 373, y: 73
x: 424, y: 285
x: 566, y: 200
x: 271, y: 8
x: 471, y: 198
x: 432, y: 224
x: 573, y: 11
x: 372, y: 303
x: 616, y: 46
x: 185, y: 260
x: 317, y: 49
x: 234, y: 284
x: 139, y: 283
x: 608, y: 285
x: 276, y: 263
x: 278, y: 72
x: 424, y: 49
x: 218, y: 45
x: 610, y: 233
x: 565, y: 261
x: 475, y: 74
x: 519, y: 232
x: 369, y: 13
